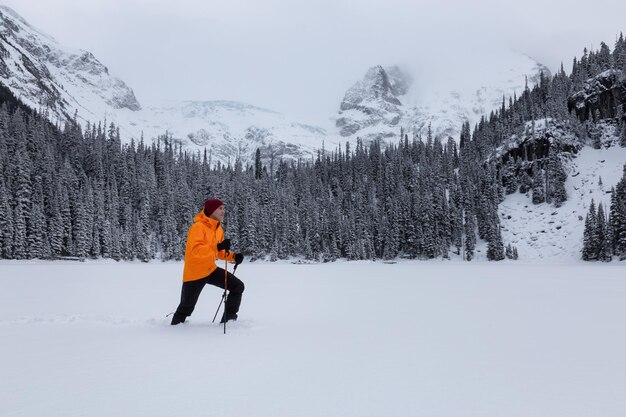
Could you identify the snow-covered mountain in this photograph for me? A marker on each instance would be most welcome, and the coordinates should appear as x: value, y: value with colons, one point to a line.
x: 231, y: 128
x: 62, y: 81
x: 445, y: 96
x: 51, y: 77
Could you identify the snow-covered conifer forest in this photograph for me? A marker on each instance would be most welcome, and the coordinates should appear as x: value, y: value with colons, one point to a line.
x: 73, y: 191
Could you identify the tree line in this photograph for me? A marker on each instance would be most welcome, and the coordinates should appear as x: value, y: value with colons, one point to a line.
x: 78, y: 191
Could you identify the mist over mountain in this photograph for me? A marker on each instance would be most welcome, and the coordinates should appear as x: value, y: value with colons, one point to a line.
x: 63, y: 83
x: 445, y: 97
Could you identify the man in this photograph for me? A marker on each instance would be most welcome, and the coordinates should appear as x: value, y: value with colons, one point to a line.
x: 205, y: 244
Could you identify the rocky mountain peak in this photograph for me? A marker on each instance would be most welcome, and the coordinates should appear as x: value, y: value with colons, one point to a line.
x: 373, y: 100
x: 375, y: 86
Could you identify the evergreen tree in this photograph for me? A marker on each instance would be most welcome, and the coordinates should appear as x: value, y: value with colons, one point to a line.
x: 470, y: 235
x: 525, y: 182
x: 6, y: 223
x: 23, y: 194
x: 602, y: 236
x: 619, y: 54
x: 590, y: 235
x: 618, y: 217
x: 509, y: 177
x: 258, y: 168
x: 495, y: 247
x: 538, y: 185
x: 508, y: 252
x: 555, y: 180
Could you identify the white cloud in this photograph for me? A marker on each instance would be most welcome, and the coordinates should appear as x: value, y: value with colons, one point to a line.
x: 301, y: 56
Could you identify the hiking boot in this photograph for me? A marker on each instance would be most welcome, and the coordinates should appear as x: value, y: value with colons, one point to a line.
x: 177, y: 319
x: 228, y: 316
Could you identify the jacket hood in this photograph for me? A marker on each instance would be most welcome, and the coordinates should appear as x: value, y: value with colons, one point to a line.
x: 201, y: 217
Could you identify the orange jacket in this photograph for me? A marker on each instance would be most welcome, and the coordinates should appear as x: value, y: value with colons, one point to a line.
x: 201, y: 250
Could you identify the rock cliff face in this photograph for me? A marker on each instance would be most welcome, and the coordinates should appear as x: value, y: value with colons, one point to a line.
x: 603, y: 96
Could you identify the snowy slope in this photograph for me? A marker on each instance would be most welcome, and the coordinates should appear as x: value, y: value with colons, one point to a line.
x: 454, y: 339
x: 545, y: 232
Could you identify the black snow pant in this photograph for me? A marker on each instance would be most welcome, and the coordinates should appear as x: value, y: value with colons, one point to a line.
x: 192, y: 289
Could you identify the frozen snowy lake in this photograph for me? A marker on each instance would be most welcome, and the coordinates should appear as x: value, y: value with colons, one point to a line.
x: 345, y: 339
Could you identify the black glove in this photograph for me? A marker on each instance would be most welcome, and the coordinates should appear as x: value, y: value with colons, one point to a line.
x: 224, y: 245
x: 238, y: 258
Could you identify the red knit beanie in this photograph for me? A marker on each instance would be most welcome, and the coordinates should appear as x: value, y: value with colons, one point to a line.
x: 211, y: 205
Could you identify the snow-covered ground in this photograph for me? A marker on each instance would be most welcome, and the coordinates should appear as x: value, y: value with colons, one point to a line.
x: 436, y: 338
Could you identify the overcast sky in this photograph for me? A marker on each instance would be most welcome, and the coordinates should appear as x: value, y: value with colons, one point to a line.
x: 300, y: 57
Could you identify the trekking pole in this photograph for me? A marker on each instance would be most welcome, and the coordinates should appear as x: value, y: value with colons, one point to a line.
x: 223, y: 295
x: 219, y: 306
x: 225, y: 286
